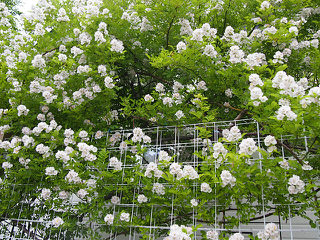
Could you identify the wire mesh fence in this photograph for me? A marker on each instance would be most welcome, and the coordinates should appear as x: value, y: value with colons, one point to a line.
x: 30, y: 218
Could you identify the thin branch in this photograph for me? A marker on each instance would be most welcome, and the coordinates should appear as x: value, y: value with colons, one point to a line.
x: 250, y: 220
x: 310, y: 148
x: 225, y: 17
x: 251, y: 31
x: 49, y: 51
x: 153, y: 76
x: 168, y: 31
x: 240, y: 115
x: 291, y: 151
x: 263, y: 216
x: 227, y: 105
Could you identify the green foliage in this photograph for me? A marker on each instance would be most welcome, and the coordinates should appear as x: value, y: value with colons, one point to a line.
x: 165, y: 75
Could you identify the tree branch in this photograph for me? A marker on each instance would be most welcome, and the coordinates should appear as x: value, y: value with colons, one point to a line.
x: 49, y: 51
x: 291, y: 151
x: 225, y: 17
x: 168, y: 32
x: 153, y: 76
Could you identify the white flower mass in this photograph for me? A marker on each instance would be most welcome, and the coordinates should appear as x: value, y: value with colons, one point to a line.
x: 109, y: 219
x: 130, y: 115
x: 227, y: 178
x: 142, y: 198
x: 117, y: 45
x: 125, y: 217
x: 57, y: 221
x: 296, y: 185
x: 248, y: 146
x: 205, y: 187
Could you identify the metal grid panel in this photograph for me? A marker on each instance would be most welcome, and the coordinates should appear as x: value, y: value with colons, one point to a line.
x: 33, y: 221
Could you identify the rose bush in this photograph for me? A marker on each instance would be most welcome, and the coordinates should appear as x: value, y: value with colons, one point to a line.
x: 78, y: 70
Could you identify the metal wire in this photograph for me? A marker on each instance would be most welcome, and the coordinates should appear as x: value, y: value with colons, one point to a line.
x: 183, y: 139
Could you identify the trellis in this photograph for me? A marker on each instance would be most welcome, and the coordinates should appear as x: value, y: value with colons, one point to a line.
x: 182, y: 142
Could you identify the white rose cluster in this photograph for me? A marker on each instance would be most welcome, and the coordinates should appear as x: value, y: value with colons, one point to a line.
x: 50, y: 171
x: 228, y: 92
x: 116, y: 46
x: 205, y: 31
x: 68, y: 133
x: 76, y: 51
x: 72, y: 177
x: 185, y: 27
x: 265, y: 5
x: 194, y: 202
x: 108, y: 82
x: 181, y: 46
x: 43, y: 150
x: 145, y: 25
x: 255, y: 80
x: 139, y: 136
x: 236, y: 236
x: 57, y: 221
x: 248, y: 146
x: 153, y: 167
x: 38, y: 61
x: 86, y: 150
x: 123, y: 146
x: 270, y: 142
x: 148, y: 98
x: 6, y: 165
x: 45, y: 193
x: 160, y: 88
x: 312, y: 97
x: 205, y: 187
x: 109, y: 219
x: 187, y: 172
x: 256, y: 94
x: 270, y: 232
x: 284, y: 164
x: 62, y: 16
x: 98, y: 37
x: 179, y: 114
x: 212, y: 235
x: 158, y: 188
x: 236, y: 55
x: 210, y: 51
x: 82, y: 193
x: 306, y: 166
x: 64, y: 195
x: 232, y: 135
x: 125, y: 217
x: 64, y: 155
x: 167, y: 101
x: 278, y: 57
x: 255, y: 60
x: 296, y: 185
x: 287, y: 85
x: 285, y: 111
x: 85, y: 38
x: 227, y: 178
x: 22, y: 110
x: 115, y: 200
x: 179, y: 232
x: 164, y: 157
x: 142, y: 198
x: 228, y: 33
x: 219, y: 150
x: 115, y: 163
